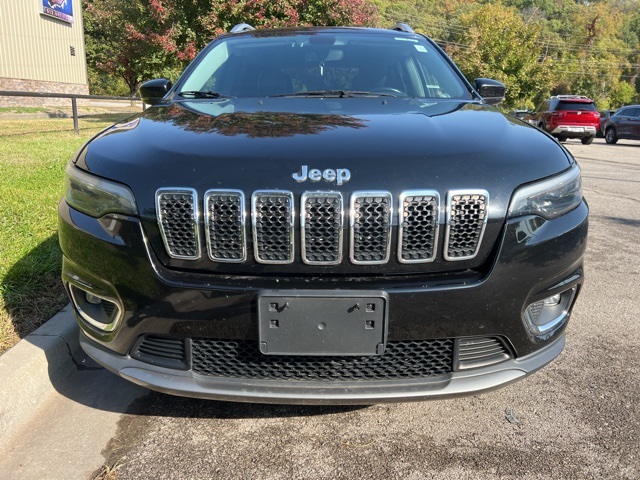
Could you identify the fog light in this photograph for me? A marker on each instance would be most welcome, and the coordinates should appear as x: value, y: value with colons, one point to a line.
x: 551, y: 301
x: 549, y: 314
x: 101, y: 312
x: 91, y: 298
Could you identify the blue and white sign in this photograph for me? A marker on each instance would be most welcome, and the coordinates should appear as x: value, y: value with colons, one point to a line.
x: 60, y: 9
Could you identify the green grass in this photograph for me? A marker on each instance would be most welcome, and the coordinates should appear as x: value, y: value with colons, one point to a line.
x: 33, y: 155
x: 23, y: 110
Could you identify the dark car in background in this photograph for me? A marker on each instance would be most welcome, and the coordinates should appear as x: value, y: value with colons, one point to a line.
x: 604, y: 116
x: 322, y: 215
x: 624, y: 124
x: 567, y: 116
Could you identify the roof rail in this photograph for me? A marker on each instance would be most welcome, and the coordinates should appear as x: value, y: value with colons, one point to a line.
x: 241, y: 27
x: 402, y: 27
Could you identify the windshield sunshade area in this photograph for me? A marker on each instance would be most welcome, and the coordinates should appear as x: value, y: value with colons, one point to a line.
x: 339, y: 65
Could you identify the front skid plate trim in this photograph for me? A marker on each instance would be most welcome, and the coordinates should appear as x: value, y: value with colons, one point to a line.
x: 321, y: 393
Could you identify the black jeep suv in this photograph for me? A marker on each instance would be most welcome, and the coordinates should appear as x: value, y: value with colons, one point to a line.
x: 322, y: 215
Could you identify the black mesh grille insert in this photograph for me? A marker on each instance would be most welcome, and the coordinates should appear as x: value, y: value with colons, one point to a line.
x: 273, y: 226
x: 225, y: 225
x: 419, y: 226
x: 322, y: 228
x: 370, y: 232
x: 176, y: 215
x: 401, y: 360
x: 467, y: 215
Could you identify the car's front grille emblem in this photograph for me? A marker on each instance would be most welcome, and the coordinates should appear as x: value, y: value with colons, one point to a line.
x: 322, y: 218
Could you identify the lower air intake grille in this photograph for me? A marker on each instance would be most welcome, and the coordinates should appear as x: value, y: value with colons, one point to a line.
x: 401, y: 360
x: 163, y: 351
x: 474, y: 352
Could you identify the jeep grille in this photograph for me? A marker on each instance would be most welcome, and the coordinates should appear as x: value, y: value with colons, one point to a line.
x: 466, y: 219
x: 177, y: 212
x: 322, y: 220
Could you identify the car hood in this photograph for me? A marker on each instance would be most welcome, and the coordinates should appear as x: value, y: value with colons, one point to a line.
x: 386, y: 144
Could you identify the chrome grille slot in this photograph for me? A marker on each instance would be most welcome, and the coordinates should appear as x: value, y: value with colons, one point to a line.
x: 177, y: 211
x: 466, y: 221
x: 321, y: 221
x: 272, y: 216
x: 418, y: 226
x: 370, y: 227
x: 225, y: 221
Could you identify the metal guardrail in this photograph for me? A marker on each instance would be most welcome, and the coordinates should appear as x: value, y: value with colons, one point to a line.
x: 74, y: 100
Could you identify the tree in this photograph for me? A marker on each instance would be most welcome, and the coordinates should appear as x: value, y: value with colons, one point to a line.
x: 143, y: 39
x: 495, y: 42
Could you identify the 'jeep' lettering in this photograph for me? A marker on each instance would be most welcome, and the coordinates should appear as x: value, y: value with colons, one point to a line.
x: 340, y: 175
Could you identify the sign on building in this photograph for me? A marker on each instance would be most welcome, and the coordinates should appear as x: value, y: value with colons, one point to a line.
x: 60, y: 9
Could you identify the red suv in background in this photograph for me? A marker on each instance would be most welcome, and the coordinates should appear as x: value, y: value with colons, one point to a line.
x: 567, y: 116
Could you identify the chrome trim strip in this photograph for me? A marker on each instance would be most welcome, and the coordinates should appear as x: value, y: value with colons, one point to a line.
x: 254, y: 221
x: 352, y: 217
x: 450, y: 195
x: 303, y: 211
x: 401, y: 216
x: 209, y: 223
x: 195, y: 219
x: 103, y: 327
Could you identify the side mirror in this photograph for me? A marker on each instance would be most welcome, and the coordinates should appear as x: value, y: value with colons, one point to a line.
x: 153, y: 91
x: 491, y: 91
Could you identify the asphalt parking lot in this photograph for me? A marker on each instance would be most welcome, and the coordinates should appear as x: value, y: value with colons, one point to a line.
x: 578, y: 418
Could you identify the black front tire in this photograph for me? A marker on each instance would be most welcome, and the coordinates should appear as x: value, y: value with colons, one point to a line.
x: 610, y: 136
x: 587, y: 140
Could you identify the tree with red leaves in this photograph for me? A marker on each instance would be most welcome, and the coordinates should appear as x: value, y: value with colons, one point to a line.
x: 141, y: 39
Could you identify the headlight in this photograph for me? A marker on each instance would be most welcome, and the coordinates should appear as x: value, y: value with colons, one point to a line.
x: 550, y: 198
x: 95, y: 196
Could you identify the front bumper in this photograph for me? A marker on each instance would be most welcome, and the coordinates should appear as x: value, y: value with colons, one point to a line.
x: 111, y: 258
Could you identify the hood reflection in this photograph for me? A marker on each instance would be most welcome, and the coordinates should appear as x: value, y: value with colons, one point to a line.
x: 260, y: 124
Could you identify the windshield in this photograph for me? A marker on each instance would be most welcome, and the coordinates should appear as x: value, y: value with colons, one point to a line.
x: 317, y: 62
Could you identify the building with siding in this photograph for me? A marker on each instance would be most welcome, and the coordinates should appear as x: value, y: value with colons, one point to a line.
x: 41, y: 49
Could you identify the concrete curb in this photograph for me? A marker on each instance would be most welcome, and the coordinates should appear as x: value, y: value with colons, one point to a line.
x: 30, y: 370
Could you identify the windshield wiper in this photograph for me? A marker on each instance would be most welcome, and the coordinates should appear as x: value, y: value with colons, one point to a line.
x: 334, y: 93
x: 201, y: 94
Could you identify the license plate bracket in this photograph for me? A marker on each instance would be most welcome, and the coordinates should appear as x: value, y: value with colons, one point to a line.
x: 351, y: 323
